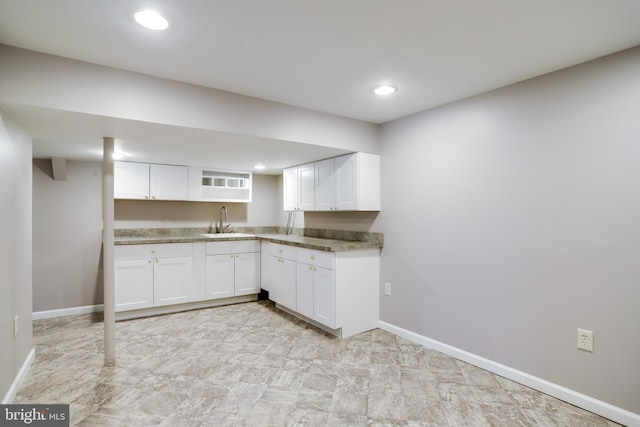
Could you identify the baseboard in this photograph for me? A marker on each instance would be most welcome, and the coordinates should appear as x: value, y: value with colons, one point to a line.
x: 48, y: 314
x: 22, y: 373
x: 580, y: 400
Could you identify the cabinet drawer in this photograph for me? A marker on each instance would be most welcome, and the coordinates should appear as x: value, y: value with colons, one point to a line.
x: 164, y: 250
x: 317, y: 258
x: 235, y: 247
x: 282, y: 251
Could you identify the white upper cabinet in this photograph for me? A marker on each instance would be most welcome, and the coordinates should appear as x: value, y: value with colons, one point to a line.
x: 349, y: 183
x: 290, y: 192
x: 298, y: 185
x: 131, y: 180
x: 306, y: 187
x: 325, y: 185
x: 168, y: 182
x: 150, y: 181
x: 346, y: 183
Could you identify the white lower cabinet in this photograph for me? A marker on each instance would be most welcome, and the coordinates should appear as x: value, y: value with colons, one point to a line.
x: 304, y: 290
x: 154, y: 275
x: 316, y: 285
x: 172, y: 278
x: 134, y: 283
x: 324, y: 303
x: 316, y: 294
x: 220, y: 272
x: 247, y: 273
x: 339, y: 290
x: 232, y: 268
x: 279, y: 273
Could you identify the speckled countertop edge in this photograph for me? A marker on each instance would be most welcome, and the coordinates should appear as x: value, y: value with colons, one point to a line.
x: 189, y: 236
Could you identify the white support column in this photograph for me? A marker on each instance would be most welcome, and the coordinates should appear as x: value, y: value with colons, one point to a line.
x: 107, y: 253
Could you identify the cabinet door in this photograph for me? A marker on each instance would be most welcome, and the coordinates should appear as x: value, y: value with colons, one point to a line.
x: 134, y: 284
x: 346, y: 175
x: 325, y: 185
x: 324, y: 297
x: 288, y: 296
x: 168, y: 182
x: 219, y: 275
x: 290, y: 188
x: 247, y: 273
x: 172, y: 280
x: 271, y: 277
x: 304, y: 289
x: 130, y: 180
x: 306, y: 187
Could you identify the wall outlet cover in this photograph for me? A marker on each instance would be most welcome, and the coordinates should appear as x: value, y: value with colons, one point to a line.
x: 585, y: 340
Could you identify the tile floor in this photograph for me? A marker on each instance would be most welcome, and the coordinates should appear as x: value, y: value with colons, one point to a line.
x: 253, y: 365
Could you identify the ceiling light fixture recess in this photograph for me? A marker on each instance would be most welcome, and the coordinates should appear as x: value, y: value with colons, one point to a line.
x: 260, y: 167
x: 384, y: 90
x: 151, y: 19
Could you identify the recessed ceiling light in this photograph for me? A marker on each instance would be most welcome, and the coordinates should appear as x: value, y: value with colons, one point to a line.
x: 384, y: 90
x: 151, y: 19
x: 259, y: 167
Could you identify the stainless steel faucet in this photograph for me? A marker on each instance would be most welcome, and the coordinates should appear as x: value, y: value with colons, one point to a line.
x: 224, y: 217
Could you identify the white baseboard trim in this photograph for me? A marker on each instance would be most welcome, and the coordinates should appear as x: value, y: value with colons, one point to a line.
x: 22, y: 373
x: 48, y: 314
x: 580, y: 400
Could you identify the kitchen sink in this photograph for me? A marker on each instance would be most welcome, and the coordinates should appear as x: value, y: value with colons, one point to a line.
x: 226, y: 235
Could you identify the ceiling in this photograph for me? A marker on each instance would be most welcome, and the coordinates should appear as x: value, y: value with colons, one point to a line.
x: 322, y: 55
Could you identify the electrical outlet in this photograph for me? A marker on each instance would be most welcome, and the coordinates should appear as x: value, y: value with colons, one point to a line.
x: 15, y: 327
x: 585, y: 340
x: 387, y: 289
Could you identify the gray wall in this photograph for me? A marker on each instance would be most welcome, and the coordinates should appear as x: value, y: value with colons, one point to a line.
x: 15, y: 249
x: 513, y: 218
x: 67, y: 236
x: 67, y: 228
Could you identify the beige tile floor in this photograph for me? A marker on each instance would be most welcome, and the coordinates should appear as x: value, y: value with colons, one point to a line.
x: 253, y: 365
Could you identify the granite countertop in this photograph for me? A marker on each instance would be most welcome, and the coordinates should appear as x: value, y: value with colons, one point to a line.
x: 317, y: 243
x: 331, y: 245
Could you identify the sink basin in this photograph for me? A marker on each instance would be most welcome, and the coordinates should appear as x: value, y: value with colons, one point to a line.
x: 226, y: 235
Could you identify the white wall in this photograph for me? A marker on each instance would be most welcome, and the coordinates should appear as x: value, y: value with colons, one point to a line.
x: 512, y: 218
x: 67, y: 236
x: 15, y: 249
